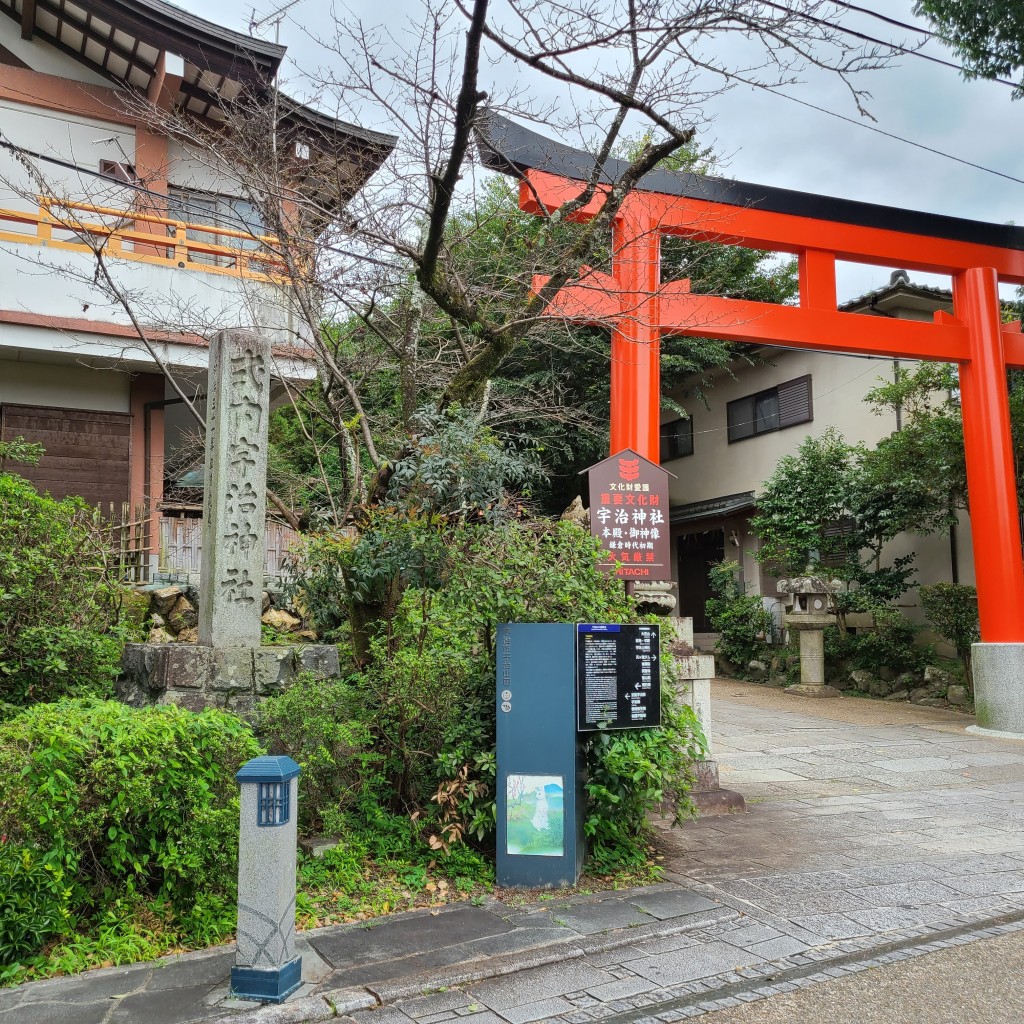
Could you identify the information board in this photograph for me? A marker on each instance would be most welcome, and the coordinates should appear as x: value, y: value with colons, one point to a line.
x: 618, y: 677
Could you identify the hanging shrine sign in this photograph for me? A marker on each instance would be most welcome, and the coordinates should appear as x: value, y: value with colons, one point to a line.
x: 629, y: 516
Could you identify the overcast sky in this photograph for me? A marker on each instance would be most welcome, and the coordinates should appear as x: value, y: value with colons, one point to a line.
x: 775, y: 141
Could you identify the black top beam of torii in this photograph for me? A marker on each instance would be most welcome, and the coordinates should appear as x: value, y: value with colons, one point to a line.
x: 511, y: 149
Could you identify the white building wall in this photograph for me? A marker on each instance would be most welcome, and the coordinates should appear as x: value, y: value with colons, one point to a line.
x: 63, y: 386
x: 838, y: 386
x: 717, y: 468
x: 81, y: 141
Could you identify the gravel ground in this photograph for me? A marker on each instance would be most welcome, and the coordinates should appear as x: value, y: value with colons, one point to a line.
x: 978, y: 983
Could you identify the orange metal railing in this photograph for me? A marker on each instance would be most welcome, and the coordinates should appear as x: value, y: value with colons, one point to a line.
x: 145, y: 237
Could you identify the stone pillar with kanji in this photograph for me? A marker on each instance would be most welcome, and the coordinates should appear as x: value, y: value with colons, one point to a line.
x: 234, y: 493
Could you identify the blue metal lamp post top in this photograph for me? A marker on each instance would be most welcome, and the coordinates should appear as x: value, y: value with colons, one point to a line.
x: 268, y: 769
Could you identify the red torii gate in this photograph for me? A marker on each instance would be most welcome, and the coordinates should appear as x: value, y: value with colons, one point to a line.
x: 639, y: 308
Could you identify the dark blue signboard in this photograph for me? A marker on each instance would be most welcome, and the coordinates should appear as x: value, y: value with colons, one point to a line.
x: 540, y: 764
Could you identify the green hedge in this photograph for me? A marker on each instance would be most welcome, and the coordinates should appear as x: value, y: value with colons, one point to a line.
x: 60, y: 612
x: 102, y: 802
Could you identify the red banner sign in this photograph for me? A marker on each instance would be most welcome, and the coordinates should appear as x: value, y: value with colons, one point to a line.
x: 629, y: 516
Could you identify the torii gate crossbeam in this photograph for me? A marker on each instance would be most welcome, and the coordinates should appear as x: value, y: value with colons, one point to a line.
x: 638, y: 308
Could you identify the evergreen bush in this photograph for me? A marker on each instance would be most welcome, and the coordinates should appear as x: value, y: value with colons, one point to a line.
x: 106, y: 806
x: 60, y: 612
x: 743, y: 624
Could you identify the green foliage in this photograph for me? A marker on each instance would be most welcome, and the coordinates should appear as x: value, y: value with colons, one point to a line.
x: 987, y: 35
x: 891, y: 644
x: 425, y: 694
x: 34, y: 901
x: 743, y: 624
x: 60, y: 631
x: 28, y: 453
x: 138, y: 806
x: 458, y: 466
x: 628, y: 773
x: 952, y: 610
x: 320, y: 723
x: 828, y: 509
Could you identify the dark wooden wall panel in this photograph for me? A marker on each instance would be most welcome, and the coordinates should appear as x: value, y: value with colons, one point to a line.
x: 87, y: 453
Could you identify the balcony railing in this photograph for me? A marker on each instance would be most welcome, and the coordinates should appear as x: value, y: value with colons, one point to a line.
x: 144, y: 237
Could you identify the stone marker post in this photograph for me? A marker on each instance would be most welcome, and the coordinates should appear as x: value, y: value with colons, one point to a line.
x: 695, y: 672
x: 235, y: 493
x: 266, y: 964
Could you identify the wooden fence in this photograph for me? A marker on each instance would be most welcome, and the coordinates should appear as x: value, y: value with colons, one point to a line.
x: 181, y: 546
x: 178, y: 543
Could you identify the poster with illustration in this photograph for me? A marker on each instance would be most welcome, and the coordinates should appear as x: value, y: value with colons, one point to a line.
x: 535, y: 815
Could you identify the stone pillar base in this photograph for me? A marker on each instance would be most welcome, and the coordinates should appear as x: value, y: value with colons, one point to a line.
x: 999, y: 689
x: 812, y: 690
x: 232, y: 678
x: 708, y: 796
x: 266, y: 985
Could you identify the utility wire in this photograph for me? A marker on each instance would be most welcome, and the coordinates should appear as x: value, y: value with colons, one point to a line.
x: 888, y: 44
x: 890, y: 135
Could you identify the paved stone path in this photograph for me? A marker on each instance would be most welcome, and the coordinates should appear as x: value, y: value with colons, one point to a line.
x: 876, y: 832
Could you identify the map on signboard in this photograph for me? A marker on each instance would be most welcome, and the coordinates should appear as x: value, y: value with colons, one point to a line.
x: 629, y: 515
x: 535, y: 815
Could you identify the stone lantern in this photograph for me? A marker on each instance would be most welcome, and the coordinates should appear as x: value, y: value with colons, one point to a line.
x: 810, y: 611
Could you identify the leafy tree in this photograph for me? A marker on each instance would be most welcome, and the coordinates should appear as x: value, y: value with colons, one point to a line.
x: 988, y: 35
x: 952, y: 609
x: 61, y: 630
x: 924, y: 461
x: 828, y: 508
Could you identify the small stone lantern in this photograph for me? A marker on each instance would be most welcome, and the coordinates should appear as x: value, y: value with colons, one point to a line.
x: 809, y: 614
x: 267, y: 967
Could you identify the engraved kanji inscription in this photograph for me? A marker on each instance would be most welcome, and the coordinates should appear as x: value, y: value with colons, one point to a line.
x: 237, y: 586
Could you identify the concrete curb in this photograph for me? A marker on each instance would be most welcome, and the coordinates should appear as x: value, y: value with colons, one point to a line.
x: 325, y: 1006
x: 468, y: 973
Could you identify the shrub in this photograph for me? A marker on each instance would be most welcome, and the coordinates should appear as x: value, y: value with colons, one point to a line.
x: 424, y: 692
x: 952, y: 609
x: 318, y: 723
x: 126, y: 803
x: 60, y: 631
x: 891, y: 644
x: 34, y: 901
x: 743, y: 624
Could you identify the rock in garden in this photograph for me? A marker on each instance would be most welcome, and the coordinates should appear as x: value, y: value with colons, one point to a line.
x: 188, y: 636
x: 165, y: 599
x: 757, y: 670
x: 183, y: 615
x: 282, y: 621
x: 577, y: 514
x: 931, y: 702
x: 862, y: 679
x: 266, y: 602
x: 723, y: 666
x: 306, y: 634
x: 956, y: 695
x: 879, y: 688
x: 159, y: 635
x: 920, y: 693
x: 905, y: 681
x: 937, y: 678
x: 886, y: 674
x: 898, y: 695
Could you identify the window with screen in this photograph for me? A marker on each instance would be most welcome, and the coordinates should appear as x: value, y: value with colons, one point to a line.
x: 763, y: 412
